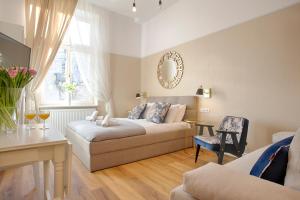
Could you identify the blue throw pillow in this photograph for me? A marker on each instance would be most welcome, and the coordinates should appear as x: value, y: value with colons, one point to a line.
x: 266, y: 158
x: 276, y: 171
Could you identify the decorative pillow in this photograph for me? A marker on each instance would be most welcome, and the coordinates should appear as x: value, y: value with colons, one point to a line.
x: 276, y: 171
x: 292, y: 177
x: 172, y: 113
x: 157, y: 113
x: 181, y: 112
x: 266, y: 158
x: 137, y: 111
x: 146, y: 112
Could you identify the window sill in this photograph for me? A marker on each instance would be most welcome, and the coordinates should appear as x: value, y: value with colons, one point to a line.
x: 66, y: 107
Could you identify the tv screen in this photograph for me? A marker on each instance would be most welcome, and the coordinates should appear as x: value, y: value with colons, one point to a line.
x: 13, y: 53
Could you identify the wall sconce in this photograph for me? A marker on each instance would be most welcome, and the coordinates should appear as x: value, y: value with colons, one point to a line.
x: 140, y: 95
x: 205, y: 92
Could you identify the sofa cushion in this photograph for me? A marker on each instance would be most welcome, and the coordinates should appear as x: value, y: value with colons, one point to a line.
x: 276, y: 171
x: 245, y: 163
x: 205, y: 184
x: 292, y: 178
x: 276, y: 137
x: 265, y: 159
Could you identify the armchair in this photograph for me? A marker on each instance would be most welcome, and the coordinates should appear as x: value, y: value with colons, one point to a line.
x: 231, y: 137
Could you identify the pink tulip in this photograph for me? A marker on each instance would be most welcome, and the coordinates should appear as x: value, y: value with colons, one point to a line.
x: 32, y: 72
x: 12, y: 73
x: 23, y: 70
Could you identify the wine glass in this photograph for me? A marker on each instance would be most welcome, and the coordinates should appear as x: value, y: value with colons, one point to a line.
x: 44, y: 115
x: 30, y: 115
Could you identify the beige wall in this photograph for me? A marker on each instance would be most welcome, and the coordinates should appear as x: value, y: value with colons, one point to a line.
x: 253, y: 70
x: 125, y: 82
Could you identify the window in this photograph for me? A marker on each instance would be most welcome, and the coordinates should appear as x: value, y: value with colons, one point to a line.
x: 63, y: 84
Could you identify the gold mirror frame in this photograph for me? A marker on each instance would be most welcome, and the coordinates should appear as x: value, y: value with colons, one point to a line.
x: 172, y: 82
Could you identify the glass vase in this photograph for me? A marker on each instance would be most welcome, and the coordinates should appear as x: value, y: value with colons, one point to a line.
x: 10, y: 107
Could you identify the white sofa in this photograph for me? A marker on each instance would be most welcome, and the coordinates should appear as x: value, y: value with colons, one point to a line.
x: 242, y: 165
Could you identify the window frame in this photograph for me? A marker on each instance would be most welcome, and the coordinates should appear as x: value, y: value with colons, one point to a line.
x: 69, y: 102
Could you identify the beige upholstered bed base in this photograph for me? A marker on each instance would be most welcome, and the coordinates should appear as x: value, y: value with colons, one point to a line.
x: 105, y: 154
x: 94, y: 162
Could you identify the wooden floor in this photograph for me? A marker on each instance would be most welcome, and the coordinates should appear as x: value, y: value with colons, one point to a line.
x: 149, y: 179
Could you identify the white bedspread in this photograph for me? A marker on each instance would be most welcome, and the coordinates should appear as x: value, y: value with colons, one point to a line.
x: 163, y: 127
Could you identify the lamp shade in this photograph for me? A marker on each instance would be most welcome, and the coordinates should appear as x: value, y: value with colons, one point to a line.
x: 199, y: 91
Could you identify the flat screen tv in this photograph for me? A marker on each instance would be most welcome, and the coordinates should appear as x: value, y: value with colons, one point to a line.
x: 13, y: 53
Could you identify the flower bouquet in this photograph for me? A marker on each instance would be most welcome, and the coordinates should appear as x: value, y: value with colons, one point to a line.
x: 12, y: 82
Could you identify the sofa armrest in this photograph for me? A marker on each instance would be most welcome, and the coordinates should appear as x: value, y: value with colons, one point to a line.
x: 214, y: 181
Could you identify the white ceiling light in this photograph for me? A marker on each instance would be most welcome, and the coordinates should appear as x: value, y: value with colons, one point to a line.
x: 146, y: 9
x: 134, y: 5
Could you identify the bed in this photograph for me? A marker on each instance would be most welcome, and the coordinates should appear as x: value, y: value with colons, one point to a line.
x: 131, y: 144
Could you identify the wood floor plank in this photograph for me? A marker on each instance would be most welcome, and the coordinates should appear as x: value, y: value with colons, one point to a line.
x: 150, y: 179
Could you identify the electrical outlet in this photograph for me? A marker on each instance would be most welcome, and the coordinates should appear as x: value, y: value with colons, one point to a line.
x: 204, y: 110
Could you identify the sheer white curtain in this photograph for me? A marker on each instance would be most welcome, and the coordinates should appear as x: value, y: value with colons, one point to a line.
x: 46, y: 24
x: 89, y: 32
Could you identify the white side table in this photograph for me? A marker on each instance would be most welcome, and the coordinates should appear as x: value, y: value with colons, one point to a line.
x: 281, y: 135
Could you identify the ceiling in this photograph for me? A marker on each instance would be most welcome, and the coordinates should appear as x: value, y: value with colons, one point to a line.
x: 146, y: 9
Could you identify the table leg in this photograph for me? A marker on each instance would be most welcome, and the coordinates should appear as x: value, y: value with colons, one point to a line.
x: 46, y: 178
x: 36, y: 174
x: 210, y: 131
x: 58, y: 180
x: 68, y: 169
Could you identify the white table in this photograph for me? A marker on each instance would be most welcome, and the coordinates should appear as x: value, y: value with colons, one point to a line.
x: 26, y: 147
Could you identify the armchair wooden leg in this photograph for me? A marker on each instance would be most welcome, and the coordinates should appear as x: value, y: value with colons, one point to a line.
x: 197, y: 152
x: 220, y: 157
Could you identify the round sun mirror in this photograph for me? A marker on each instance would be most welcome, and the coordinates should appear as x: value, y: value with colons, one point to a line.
x: 170, y: 70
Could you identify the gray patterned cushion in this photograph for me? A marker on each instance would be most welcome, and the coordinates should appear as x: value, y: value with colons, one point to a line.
x: 234, y: 124
x: 137, y: 111
x: 158, y: 112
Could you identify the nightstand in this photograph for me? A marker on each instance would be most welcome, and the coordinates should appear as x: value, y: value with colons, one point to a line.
x: 201, y: 126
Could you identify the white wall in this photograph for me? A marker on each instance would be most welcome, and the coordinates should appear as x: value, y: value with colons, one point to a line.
x: 189, y: 20
x: 12, y: 11
x: 253, y: 70
x: 125, y: 36
x: 12, y: 18
x: 125, y: 33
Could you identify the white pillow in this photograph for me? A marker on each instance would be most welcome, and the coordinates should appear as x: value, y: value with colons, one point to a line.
x: 292, y: 177
x: 172, y: 113
x: 181, y: 112
x: 144, y: 115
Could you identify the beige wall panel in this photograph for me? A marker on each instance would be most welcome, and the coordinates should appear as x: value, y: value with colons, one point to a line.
x: 253, y: 70
x: 125, y: 82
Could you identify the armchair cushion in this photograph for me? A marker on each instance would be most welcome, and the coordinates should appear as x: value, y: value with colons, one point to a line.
x: 214, y: 139
x: 232, y: 124
x: 209, y: 139
x: 205, y: 184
